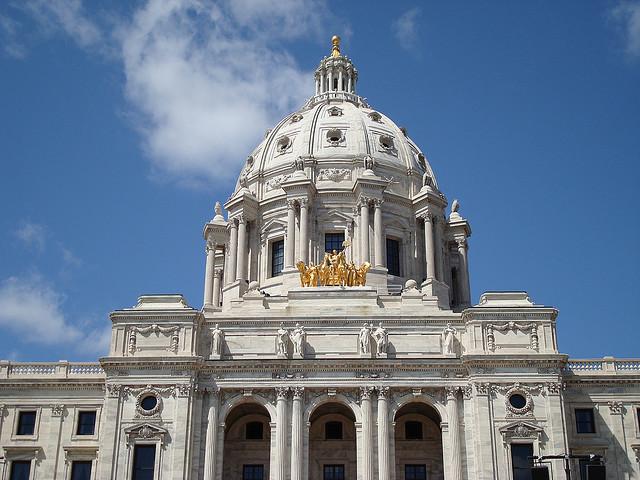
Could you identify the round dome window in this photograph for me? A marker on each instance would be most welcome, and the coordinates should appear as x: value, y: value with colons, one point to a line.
x: 386, y: 142
x: 517, y: 401
x: 334, y: 136
x: 283, y: 144
x: 149, y: 402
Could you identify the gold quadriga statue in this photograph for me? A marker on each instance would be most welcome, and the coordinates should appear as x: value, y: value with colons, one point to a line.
x: 334, y: 271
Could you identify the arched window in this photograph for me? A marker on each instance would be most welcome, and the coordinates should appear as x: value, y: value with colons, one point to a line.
x: 277, y: 257
x: 393, y: 257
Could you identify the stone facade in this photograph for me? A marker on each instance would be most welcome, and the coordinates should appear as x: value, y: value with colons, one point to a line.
x: 272, y: 380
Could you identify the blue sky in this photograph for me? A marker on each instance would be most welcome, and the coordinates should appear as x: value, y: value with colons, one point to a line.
x: 122, y: 124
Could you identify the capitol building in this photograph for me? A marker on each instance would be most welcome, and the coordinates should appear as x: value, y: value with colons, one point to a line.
x: 337, y: 340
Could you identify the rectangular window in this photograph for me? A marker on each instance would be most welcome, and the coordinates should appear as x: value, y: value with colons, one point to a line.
x: 393, y: 257
x: 86, y: 423
x: 333, y: 241
x: 277, y: 257
x: 26, y: 423
x: 585, y: 422
x: 253, y: 472
x: 20, y: 470
x: 333, y: 472
x: 144, y: 462
x: 415, y: 472
x: 81, y: 470
x: 413, y: 430
x: 521, y: 461
x: 333, y: 431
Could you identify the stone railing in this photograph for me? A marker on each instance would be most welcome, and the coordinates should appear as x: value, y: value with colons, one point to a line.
x: 61, y: 369
x: 605, y: 365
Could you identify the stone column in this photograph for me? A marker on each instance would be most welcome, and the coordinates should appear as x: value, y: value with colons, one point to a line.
x: 438, y: 247
x: 217, y: 277
x: 349, y: 84
x: 454, y: 454
x: 233, y: 250
x: 464, y: 271
x: 367, y: 433
x: 340, y: 80
x: 280, y: 471
x: 296, y: 434
x: 384, y: 472
x: 330, y: 75
x: 290, y: 238
x: 212, y: 436
x: 210, y: 249
x: 241, y: 269
x: 428, y: 245
x: 304, y: 230
x: 364, y: 229
x: 378, y: 229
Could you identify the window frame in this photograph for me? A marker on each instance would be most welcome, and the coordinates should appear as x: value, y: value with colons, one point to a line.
x: 530, y: 442
x: 252, y: 465
x: 424, y: 466
x: 80, y: 454
x: 334, y: 465
x: 156, y: 460
x: 16, y: 422
x: 398, y: 242
x: 76, y: 425
x: 75, y: 462
x: 27, y: 453
x: 592, y: 409
x: 272, y: 243
x: 336, y: 233
x: 19, y: 460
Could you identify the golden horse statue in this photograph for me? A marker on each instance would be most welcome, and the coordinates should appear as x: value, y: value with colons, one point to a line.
x: 333, y: 271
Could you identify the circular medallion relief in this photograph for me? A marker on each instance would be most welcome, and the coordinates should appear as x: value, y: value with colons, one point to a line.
x: 148, y: 403
x: 519, y: 402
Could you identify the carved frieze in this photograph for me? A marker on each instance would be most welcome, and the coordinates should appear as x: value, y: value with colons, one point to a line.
x: 531, y: 328
x: 334, y: 174
x: 276, y: 182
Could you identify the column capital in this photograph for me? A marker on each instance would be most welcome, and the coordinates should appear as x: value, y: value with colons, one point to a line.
x: 451, y: 392
x: 218, y: 273
x: 377, y: 202
x: 426, y: 216
x: 291, y: 203
x: 297, y: 392
x: 363, y: 201
x: 366, y: 392
x: 282, y: 392
x: 242, y: 219
x: 383, y: 392
x: 209, y: 247
x: 462, y: 242
x: 303, y: 202
x: 232, y: 225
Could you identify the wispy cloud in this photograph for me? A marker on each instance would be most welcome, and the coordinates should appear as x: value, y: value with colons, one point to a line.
x: 32, y: 309
x: 11, y: 46
x: 32, y: 235
x: 627, y: 16
x: 405, y: 28
x: 206, y: 83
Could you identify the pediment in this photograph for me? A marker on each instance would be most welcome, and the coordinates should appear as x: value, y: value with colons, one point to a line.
x: 274, y: 223
x: 520, y: 429
x: 338, y: 214
x: 145, y: 431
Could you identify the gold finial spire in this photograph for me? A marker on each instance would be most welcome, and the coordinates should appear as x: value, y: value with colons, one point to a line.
x: 335, y: 49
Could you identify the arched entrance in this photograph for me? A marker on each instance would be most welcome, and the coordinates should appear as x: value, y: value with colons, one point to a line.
x: 332, y: 443
x: 247, y: 443
x: 418, y: 443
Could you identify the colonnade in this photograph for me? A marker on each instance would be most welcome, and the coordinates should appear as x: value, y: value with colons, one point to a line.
x: 293, y: 454
x: 325, y: 77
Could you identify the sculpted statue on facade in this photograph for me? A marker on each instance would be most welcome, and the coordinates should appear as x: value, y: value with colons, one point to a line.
x: 364, y: 339
x: 216, y: 344
x: 282, y: 341
x: 298, y: 338
x: 381, y: 337
x: 333, y: 271
x: 448, y: 340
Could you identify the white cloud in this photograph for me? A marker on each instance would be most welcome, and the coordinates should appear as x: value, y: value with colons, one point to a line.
x: 405, y: 28
x: 32, y: 235
x: 32, y: 309
x: 9, y: 38
x: 69, y: 258
x: 627, y: 15
x: 208, y: 78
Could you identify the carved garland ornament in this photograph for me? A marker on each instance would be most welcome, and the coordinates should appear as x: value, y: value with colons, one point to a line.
x: 334, y: 174
x: 157, y: 329
x: 512, y: 326
x: 276, y: 182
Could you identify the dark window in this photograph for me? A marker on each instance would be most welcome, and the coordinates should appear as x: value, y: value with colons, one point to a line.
x: 26, y: 423
x: 86, y: 423
x: 81, y: 471
x: 333, y: 241
x: 415, y: 472
x: 277, y: 258
x: 520, y: 453
x: 585, y: 422
x: 333, y: 472
x: 517, y: 401
x: 20, y: 470
x: 144, y: 462
x: 333, y: 431
x: 413, y: 431
x: 255, y: 431
x: 149, y: 402
x: 335, y: 83
x: 393, y: 257
x: 252, y: 472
